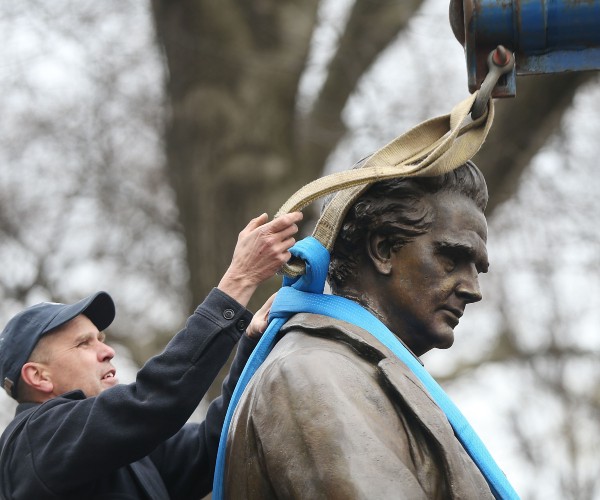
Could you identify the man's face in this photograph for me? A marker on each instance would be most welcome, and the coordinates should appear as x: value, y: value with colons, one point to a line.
x: 435, y: 276
x: 78, y: 358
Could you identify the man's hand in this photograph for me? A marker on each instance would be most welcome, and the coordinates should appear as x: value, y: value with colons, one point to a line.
x: 261, y: 250
x: 260, y: 320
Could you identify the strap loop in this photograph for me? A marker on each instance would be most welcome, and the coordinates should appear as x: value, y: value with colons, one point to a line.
x: 434, y: 147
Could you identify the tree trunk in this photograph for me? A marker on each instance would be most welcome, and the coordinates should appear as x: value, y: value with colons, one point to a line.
x: 232, y: 84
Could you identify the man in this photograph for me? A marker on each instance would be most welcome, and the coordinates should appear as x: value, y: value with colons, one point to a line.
x: 78, y: 434
x: 332, y: 412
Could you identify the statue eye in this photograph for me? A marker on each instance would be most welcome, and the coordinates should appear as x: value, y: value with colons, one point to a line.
x: 451, y: 257
x: 449, y: 263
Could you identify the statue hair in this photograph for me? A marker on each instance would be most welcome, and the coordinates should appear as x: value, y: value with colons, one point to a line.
x: 398, y: 209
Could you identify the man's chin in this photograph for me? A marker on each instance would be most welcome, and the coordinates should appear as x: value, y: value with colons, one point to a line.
x: 108, y: 383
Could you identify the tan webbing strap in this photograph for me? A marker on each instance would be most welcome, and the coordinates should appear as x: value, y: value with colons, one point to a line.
x: 433, y: 147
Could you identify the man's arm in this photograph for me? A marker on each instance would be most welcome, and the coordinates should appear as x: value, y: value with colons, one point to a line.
x: 124, y: 423
x: 187, y: 461
x: 71, y: 441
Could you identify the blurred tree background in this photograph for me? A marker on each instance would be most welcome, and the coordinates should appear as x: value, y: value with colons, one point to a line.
x: 138, y: 139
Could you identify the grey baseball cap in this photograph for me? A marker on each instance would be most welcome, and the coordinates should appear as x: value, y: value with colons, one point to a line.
x: 23, y: 331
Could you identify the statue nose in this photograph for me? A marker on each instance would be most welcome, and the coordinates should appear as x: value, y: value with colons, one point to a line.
x: 468, y: 287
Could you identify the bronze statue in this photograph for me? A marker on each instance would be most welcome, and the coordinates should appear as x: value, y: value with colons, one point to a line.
x: 332, y: 413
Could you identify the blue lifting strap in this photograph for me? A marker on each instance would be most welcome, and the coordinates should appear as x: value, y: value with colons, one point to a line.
x: 305, y: 294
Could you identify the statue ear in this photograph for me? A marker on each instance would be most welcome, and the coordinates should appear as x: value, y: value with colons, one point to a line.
x: 380, y: 253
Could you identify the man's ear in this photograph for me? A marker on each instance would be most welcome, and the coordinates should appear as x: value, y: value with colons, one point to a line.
x: 380, y: 252
x: 37, y: 377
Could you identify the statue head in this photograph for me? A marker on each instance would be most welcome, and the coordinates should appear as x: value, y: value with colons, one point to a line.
x: 410, y: 250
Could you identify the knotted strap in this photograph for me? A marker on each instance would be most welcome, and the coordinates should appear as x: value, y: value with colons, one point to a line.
x: 434, y: 147
x: 317, y: 263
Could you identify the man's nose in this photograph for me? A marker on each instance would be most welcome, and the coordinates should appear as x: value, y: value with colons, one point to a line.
x: 468, y: 286
x: 106, y: 352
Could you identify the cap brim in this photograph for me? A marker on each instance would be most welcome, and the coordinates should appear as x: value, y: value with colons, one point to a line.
x: 99, y: 308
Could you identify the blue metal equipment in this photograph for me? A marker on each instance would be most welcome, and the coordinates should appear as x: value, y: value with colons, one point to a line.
x: 545, y: 36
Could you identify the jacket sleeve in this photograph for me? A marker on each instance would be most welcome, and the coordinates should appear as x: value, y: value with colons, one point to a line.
x: 186, y: 462
x: 318, y: 424
x: 71, y: 442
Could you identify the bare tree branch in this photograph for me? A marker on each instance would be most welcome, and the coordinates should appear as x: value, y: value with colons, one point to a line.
x: 371, y: 27
x: 521, y: 127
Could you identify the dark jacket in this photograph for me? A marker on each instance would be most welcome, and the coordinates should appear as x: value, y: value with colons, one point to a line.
x: 333, y: 414
x: 130, y: 441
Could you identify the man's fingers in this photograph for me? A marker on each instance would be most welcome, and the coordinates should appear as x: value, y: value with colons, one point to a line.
x: 285, y: 221
x: 280, y: 231
x: 280, y: 251
x: 260, y: 320
x: 257, y: 222
x: 287, y: 244
x: 288, y: 232
x: 266, y: 307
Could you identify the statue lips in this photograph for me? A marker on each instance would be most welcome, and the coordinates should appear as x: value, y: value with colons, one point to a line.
x: 453, y: 314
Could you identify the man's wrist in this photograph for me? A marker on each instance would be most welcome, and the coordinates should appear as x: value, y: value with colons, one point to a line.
x: 237, y: 287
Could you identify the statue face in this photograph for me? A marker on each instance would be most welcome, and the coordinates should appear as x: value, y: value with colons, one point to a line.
x: 435, y: 276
